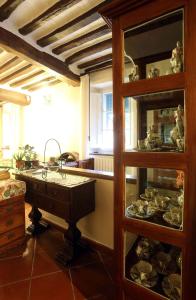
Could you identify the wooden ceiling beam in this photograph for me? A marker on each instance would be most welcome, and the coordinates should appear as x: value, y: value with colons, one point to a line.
x: 7, y: 8
x: 14, y: 97
x: 51, y: 83
x: 69, y: 28
x: 57, y: 81
x: 26, y: 79
x: 44, y: 80
x: 51, y: 12
x: 89, y: 51
x: 104, y: 65
x: 96, y: 61
x: 15, y: 44
x: 77, y: 23
x: 20, y: 72
x: 13, y: 62
x: 82, y: 39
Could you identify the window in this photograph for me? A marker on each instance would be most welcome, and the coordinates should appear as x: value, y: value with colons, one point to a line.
x: 11, y: 129
x: 101, y: 122
x: 107, y: 121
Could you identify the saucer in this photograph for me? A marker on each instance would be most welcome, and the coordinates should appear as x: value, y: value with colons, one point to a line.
x: 131, y: 211
x: 150, y: 282
x: 167, y: 218
x: 172, y: 286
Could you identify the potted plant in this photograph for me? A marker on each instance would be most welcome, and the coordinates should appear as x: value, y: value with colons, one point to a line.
x: 18, y: 156
x: 30, y: 156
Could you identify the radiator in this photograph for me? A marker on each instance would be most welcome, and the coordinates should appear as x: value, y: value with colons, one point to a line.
x: 103, y: 163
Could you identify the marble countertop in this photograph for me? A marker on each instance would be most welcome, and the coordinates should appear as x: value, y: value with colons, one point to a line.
x: 62, y: 179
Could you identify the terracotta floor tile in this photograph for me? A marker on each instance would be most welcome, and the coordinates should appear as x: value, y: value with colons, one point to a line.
x: 17, y: 268
x: 55, y: 286
x: 109, y: 265
x: 91, y: 280
x: 43, y: 264
x: 17, y: 291
x: 85, y: 257
x: 51, y: 241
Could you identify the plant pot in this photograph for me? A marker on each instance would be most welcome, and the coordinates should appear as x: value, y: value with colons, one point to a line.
x: 20, y: 164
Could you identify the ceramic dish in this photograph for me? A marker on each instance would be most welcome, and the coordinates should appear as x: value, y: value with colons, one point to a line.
x: 140, y: 209
x: 163, y: 263
x: 144, y: 197
x: 144, y: 274
x: 146, y: 248
x: 169, y: 218
x: 162, y: 203
x: 179, y: 260
x: 172, y: 286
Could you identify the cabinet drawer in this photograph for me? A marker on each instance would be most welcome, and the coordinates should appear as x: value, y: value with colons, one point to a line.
x: 11, y: 209
x: 38, y: 187
x: 11, y: 221
x: 11, y: 235
x: 57, y: 192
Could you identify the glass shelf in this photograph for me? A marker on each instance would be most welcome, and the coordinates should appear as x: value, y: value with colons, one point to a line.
x: 155, y: 122
x: 153, y: 265
x: 154, y: 48
x: 156, y: 197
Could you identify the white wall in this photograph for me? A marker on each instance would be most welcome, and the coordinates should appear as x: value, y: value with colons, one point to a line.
x: 53, y: 113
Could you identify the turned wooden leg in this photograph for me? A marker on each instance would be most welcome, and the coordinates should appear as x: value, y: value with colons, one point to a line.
x: 37, y: 225
x: 73, y: 246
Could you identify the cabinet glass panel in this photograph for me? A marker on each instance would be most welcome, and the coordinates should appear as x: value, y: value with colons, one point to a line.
x: 155, y: 196
x: 154, y: 48
x: 155, y: 122
x: 153, y: 265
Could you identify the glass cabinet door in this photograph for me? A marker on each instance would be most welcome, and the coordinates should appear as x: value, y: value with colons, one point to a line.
x: 154, y: 48
x: 156, y: 196
x: 155, y: 122
x: 153, y: 264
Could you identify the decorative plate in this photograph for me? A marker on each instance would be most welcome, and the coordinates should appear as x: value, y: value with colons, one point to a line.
x: 172, y: 286
x: 136, y: 274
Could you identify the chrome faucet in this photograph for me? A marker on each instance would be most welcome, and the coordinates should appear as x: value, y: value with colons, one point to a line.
x: 44, y: 171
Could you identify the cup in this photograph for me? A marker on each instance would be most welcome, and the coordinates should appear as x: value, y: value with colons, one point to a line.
x: 163, y: 259
x: 175, y: 282
x: 141, y: 144
x: 161, y: 201
x: 144, y: 269
x: 176, y: 215
x: 150, y: 192
x: 180, y: 144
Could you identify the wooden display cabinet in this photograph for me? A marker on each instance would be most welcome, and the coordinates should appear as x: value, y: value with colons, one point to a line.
x: 145, y: 33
